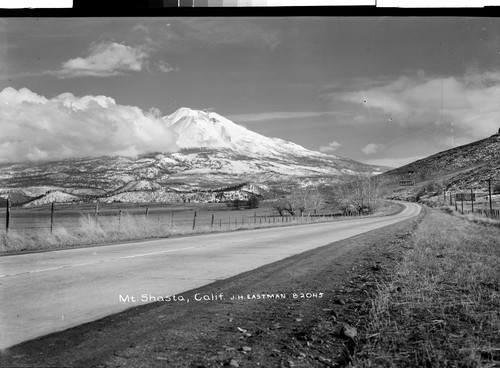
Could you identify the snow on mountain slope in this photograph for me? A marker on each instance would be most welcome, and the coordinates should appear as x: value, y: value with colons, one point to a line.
x: 138, y: 185
x: 215, y: 153
x: 56, y: 196
x: 198, y: 129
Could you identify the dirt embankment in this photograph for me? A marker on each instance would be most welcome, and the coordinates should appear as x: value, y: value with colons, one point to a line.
x: 264, y: 325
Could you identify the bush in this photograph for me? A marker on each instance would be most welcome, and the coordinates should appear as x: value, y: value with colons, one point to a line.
x: 253, y: 202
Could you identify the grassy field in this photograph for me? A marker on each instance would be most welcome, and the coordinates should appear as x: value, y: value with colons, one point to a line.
x: 30, y: 227
x: 70, y: 215
x: 440, y: 307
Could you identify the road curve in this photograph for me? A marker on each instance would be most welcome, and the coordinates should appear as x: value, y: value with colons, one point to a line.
x: 47, y: 292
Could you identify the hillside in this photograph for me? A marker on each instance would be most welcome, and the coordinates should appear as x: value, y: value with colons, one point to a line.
x: 465, y: 166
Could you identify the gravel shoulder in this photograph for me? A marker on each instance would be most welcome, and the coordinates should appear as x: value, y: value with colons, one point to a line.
x: 263, y: 325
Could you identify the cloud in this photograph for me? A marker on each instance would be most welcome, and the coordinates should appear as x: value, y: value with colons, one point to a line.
x: 469, y: 102
x: 104, y: 60
x: 393, y: 162
x: 36, y: 128
x: 333, y: 146
x: 279, y: 115
x: 371, y: 148
x: 165, y: 67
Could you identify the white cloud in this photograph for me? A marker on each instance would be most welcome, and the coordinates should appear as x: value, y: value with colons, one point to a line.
x: 469, y: 102
x: 36, y: 128
x: 279, y: 115
x: 371, y: 148
x: 104, y: 60
x: 165, y: 67
x: 393, y: 162
x: 333, y: 146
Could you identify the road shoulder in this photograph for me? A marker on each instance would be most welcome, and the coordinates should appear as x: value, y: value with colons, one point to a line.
x: 336, y: 281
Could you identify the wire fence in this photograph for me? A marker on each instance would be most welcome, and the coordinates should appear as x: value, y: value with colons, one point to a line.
x: 49, y: 217
x: 472, y: 201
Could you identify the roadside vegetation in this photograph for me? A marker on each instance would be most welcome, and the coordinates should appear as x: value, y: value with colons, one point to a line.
x: 440, y: 306
x: 109, y: 229
x: 358, y: 194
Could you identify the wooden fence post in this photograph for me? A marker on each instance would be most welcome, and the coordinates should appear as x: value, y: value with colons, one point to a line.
x: 229, y: 221
x: 212, y: 223
x: 120, y: 218
x: 255, y: 217
x: 147, y: 212
x: 97, y: 212
x: 52, y: 218
x: 472, y: 199
x: 220, y: 223
x: 7, y: 216
x: 172, y: 222
x: 194, y: 220
x: 489, y: 194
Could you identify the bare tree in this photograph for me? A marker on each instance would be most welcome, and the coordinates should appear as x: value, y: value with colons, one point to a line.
x: 359, y: 192
x: 300, y: 200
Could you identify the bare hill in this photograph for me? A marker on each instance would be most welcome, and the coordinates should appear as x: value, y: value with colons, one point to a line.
x: 462, y: 167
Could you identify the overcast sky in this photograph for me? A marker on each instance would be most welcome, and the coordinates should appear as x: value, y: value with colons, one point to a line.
x: 385, y: 91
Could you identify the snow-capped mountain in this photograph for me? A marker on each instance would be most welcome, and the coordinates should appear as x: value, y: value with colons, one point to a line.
x: 214, y: 153
x: 200, y: 129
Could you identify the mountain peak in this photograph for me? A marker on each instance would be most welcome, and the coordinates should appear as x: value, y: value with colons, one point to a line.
x: 185, y: 112
x: 197, y: 128
x: 202, y: 129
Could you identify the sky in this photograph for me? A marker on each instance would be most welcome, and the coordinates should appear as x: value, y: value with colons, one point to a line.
x: 380, y: 90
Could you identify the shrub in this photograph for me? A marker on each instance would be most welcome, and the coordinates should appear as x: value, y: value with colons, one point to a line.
x: 253, y: 202
x: 496, y: 188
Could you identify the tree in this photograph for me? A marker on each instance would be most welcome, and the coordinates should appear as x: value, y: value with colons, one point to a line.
x: 300, y: 200
x: 253, y: 201
x: 496, y: 188
x: 359, y: 192
x: 280, y: 205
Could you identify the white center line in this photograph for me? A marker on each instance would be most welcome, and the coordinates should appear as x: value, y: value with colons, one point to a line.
x: 163, y: 251
x: 95, y: 262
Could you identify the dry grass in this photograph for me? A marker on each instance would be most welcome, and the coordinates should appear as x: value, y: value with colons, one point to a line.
x: 128, y: 227
x: 441, y: 305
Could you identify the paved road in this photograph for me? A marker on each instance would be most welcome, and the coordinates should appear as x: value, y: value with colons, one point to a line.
x: 46, y: 292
